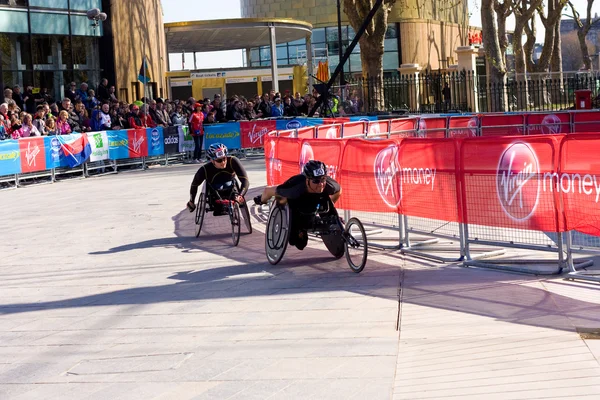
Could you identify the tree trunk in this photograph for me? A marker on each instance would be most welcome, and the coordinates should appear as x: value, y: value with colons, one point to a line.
x: 585, y: 54
x: 496, y: 69
x: 520, y: 91
x: 371, y: 44
x: 371, y: 57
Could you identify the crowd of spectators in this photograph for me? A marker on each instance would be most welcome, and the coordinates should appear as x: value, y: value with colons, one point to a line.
x: 83, y: 109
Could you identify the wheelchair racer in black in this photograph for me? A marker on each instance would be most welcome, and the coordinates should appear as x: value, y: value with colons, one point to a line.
x: 305, y: 193
x: 219, y: 173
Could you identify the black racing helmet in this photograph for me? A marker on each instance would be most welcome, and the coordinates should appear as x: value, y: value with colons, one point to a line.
x: 314, y: 169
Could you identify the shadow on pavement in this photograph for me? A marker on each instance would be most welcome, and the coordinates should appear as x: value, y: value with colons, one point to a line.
x: 506, y: 297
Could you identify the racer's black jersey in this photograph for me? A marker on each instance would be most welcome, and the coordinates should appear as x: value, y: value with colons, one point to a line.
x: 221, y: 179
x: 300, y: 199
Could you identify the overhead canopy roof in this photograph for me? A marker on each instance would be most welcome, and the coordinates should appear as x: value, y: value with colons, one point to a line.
x: 231, y: 34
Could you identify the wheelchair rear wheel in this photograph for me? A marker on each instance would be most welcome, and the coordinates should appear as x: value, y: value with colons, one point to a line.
x: 278, y: 232
x: 200, y: 212
x: 356, y: 245
x: 234, y: 216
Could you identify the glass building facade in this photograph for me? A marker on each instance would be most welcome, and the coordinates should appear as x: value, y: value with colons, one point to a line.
x: 327, y: 39
x: 48, y: 44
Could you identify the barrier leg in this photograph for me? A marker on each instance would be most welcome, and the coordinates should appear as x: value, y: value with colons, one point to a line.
x: 574, y: 274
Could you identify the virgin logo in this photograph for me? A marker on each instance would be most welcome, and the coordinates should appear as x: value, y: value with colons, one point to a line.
x: 31, y: 153
x: 551, y: 124
x: 422, y: 131
x: 256, y: 134
x: 387, y: 176
x: 517, y: 181
x: 137, y: 143
x: 332, y: 133
x: 374, y: 128
x: 274, y: 163
x: 306, y: 155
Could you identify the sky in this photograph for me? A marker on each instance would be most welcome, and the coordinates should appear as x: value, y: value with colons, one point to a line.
x: 193, y: 10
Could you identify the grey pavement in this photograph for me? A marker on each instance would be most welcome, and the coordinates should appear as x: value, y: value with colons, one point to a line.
x: 106, y: 294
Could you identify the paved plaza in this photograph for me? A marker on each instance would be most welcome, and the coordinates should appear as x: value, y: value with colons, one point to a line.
x: 105, y: 293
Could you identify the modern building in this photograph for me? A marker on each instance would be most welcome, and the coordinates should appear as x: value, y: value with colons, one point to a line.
x: 419, y: 32
x: 50, y: 43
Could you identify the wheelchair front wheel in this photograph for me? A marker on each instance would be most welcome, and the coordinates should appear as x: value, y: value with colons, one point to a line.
x: 356, y: 245
x: 278, y: 232
x: 200, y: 212
x: 246, y: 212
x: 234, y: 216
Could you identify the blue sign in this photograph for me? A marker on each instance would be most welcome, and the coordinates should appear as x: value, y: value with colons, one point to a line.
x: 156, y: 142
x: 227, y: 133
x: 364, y: 118
x: 10, y: 157
x: 54, y: 156
x: 118, y: 144
x: 314, y: 121
x: 285, y: 124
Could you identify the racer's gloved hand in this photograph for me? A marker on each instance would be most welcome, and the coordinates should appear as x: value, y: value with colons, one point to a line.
x: 191, y: 206
x: 258, y: 200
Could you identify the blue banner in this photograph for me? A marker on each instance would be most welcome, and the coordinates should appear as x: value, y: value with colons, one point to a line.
x: 363, y: 118
x: 295, y: 123
x: 314, y: 121
x: 10, y: 157
x: 118, y: 144
x: 156, y: 141
x: 54, y: 155
x: 227, y: 133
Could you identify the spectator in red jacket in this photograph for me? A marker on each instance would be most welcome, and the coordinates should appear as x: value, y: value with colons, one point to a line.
x: 135, y: 122
x: 197, y: 130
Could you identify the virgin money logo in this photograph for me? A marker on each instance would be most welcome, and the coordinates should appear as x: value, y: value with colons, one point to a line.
x: 517, y: 182
x: 387, y: 176
x: 306, y: 155
x: 551, y: 124
x: 293, y: 125
x: 274, y: 163
x: 31, y: 153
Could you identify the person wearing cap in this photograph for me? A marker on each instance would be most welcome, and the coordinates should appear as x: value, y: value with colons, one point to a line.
x: 277, y: 108
x: 197, y: 130
x: 135, y: 122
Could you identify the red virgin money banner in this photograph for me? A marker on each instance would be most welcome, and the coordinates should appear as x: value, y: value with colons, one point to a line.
x: 502, y: 182
x: 254, y: 132
x: 327, y: 151
x: 33, y: 155
x: 578, y: 182
x: 369, y: 176
x: 427, y: 178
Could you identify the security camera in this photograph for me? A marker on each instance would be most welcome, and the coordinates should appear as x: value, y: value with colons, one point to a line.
x: 93, y: 13
x: 102, y: 16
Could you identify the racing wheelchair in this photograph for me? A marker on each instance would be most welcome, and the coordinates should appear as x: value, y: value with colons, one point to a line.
x: 211, y: 200
x: 340, y: 239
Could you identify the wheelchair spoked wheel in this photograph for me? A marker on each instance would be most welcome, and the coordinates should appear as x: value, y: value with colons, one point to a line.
x: 278, y: 232
x: 200, y: 212
x: 356, y: 245
x: 234, y: 216
x: 246, y: 215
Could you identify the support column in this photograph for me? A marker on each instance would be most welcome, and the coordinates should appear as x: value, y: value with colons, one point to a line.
x: 309, y: 63
x: 195, y: 61
x: 274, y: 70
x: 467, y: 56
x: 409, y: 79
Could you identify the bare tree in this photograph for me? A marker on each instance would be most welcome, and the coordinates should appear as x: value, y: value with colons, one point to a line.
x: 583, y: 27
x: 496, y: 67
x: 371, y: 42
x: 571, y: 53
